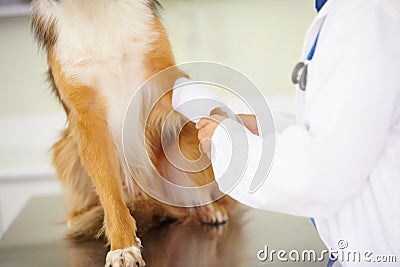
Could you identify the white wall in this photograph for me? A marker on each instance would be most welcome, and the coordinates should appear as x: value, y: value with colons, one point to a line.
x: 262, y: 38
x: 22, y: 70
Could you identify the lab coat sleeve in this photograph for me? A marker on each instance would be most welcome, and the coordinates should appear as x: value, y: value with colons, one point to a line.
x: 352, y: 93
x: 283, y: 120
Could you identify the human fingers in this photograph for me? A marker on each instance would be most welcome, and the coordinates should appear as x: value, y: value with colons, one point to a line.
x: 249, y: 121
x: 203, y: 122
x: 204, y: 133
x: 218, y: 111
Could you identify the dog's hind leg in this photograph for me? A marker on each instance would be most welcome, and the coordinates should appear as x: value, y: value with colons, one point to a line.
x: 213, y: 213
x: 89, y: 128
x: 196, y: 172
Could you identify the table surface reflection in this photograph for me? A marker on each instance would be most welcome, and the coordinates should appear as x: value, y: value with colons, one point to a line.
x: 36, y: 239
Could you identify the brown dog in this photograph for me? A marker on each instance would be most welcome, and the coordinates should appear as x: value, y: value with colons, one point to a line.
x: 100, y: 52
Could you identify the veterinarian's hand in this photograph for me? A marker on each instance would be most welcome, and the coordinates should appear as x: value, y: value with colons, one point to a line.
x: 249, y: 121
x: 206, y: 127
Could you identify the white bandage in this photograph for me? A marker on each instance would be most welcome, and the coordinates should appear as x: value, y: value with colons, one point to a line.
x: 194, y: 100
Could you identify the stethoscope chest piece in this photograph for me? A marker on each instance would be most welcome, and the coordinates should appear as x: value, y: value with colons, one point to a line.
x: 299, y: 75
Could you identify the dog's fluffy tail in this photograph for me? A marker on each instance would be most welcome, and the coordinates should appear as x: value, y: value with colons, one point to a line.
x: 87, y: 226
x: 90, y: 224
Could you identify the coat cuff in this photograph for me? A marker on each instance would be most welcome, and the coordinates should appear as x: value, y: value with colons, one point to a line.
x: 230, y: 144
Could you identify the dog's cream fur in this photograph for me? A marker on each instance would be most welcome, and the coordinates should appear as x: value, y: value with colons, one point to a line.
x: 100, y: 52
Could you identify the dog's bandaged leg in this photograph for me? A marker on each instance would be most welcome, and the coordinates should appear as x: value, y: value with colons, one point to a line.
x: 194, y: 100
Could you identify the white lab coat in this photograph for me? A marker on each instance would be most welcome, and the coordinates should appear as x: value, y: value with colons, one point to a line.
x: 340, y: 162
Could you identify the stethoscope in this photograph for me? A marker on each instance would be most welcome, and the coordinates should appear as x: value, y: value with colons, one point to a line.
x: 300, y: 71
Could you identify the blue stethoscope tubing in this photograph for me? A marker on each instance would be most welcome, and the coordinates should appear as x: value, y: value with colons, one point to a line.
x: 300, y: 72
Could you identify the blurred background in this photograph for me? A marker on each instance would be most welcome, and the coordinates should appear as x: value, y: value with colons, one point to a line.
x: 261, y: 38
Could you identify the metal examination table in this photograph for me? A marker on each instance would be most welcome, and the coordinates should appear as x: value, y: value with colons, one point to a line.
x: 36, y: 240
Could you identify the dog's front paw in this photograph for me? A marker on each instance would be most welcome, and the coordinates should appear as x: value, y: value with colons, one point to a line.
x: 128, y: 257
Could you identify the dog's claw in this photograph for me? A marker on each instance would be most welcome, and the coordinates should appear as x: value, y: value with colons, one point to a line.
x: 139, y: 242
x: 213, y: 215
